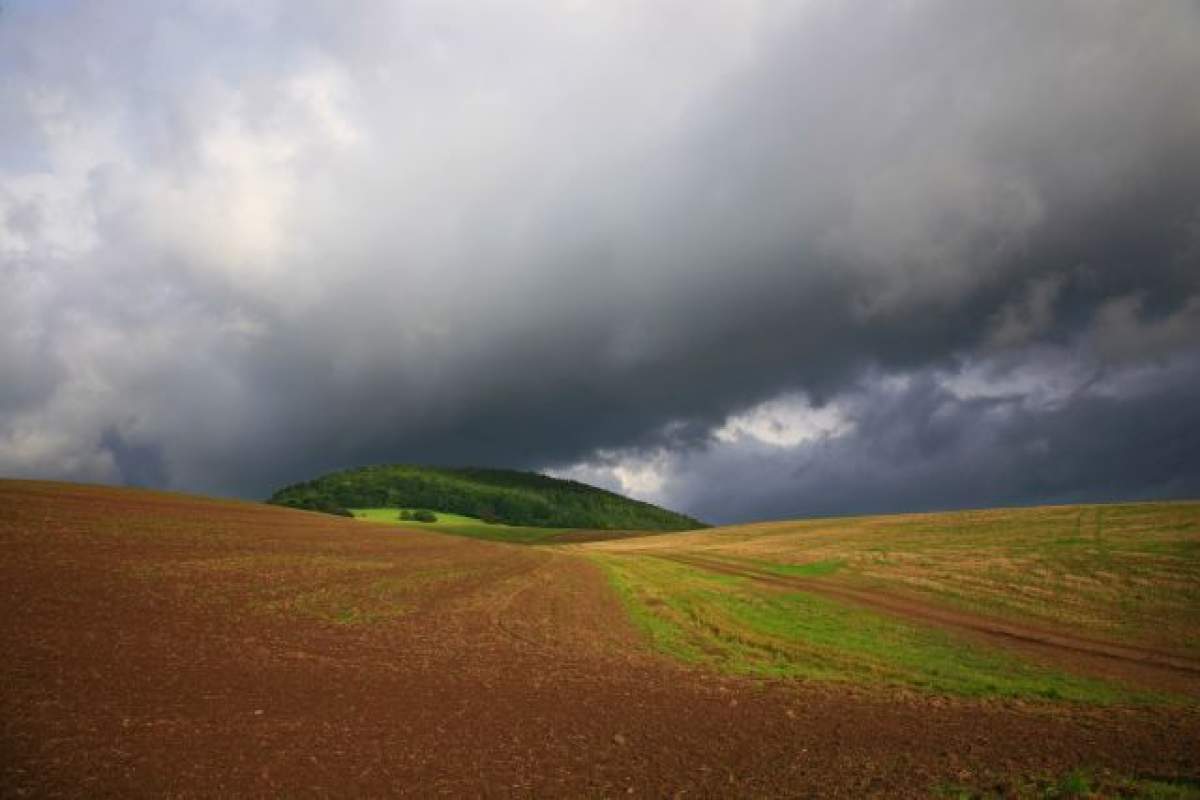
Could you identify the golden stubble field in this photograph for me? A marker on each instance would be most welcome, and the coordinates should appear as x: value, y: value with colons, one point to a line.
x: 1130, y: 573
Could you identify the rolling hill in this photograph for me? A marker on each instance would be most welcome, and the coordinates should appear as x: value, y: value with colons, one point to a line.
x: 160, y: 643
x: 506, y: 496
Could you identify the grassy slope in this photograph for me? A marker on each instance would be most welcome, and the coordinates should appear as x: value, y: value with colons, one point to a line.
x: 461, y: 525
x: 1077, y: 783
x: 730, y: 623
x: 520, y: 499
x: 1121, y: 572
x: 1127, y: 572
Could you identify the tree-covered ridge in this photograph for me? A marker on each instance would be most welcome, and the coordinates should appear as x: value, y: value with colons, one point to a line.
x: 497, y: 495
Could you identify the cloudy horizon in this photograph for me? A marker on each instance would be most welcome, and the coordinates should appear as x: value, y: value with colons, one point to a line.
x: 742, y: 259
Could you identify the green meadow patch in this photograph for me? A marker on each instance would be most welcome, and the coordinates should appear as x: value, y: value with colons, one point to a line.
x: 1126, y: 573
x: 813, y: 569
x: 736, y: 626
x: 1076, y: 784
x: 461, y: 525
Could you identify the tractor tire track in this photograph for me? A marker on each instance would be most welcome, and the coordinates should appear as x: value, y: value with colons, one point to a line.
x: 1143, y: 665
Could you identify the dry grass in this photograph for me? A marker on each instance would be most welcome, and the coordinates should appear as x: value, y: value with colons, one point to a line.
x: 1128, y: 573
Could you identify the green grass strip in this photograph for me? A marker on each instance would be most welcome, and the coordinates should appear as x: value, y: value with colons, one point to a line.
x: 739, y: 627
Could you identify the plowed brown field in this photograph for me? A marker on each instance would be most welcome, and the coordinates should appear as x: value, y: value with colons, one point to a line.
x: 162, y: 645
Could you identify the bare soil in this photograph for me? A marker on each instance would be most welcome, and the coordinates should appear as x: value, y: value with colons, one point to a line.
x: 137, y: 658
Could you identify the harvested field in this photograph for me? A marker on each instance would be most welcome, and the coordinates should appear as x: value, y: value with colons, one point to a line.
x: 158, y: 644
x: 1125, y: 573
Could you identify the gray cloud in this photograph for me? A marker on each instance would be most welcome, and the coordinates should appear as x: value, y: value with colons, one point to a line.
x: 241, y: 247
x: 929, y: 442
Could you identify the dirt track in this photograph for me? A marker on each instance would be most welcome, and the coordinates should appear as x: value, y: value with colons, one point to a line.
x: 1142, y: 666
x: 139, y: 659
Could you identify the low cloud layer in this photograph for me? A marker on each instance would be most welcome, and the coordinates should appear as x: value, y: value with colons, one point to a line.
x: 932, y: 440
x: 746, y: 259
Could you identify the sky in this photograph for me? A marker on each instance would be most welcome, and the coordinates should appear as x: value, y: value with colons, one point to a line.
x: 743, y: 259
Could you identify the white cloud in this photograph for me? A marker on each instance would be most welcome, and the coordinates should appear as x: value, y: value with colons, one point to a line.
x: 786, y: 422
x: 1044, y: 378
x: 643, y: 476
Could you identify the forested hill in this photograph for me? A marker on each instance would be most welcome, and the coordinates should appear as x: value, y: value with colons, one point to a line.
x: 495, y: 495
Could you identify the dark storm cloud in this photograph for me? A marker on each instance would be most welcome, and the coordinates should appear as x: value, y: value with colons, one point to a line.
x: 256, y: 245
x: 137, y: 465
x: 919, y: 446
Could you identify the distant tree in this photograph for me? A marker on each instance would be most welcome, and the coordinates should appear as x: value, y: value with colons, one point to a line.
x: 489, y: 515
x: 406, y: 515
x: 424, y: 516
